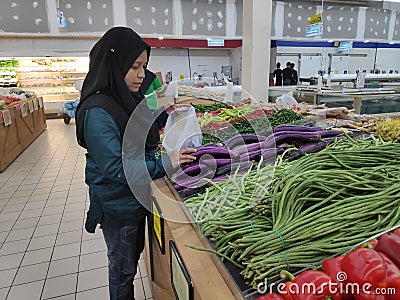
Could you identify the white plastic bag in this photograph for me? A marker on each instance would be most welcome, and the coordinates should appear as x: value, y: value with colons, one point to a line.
x: 287, y: 100
x: 182, y: 130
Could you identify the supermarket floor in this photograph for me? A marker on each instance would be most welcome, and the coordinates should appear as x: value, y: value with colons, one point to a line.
x: 45, y: 252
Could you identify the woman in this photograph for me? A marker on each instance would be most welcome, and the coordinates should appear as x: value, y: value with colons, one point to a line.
x: 110, y: 94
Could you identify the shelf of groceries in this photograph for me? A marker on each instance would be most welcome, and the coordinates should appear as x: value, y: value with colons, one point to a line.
x: 54, y: 79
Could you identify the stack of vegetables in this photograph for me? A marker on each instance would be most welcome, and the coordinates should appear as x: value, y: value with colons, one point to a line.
x: 216, y: 161
x: 362, y: 274
x: 293, y: 214
x: 389, y: 130
x: 219, y: 122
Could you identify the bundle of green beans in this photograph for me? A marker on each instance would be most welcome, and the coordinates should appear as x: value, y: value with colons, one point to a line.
x: 202, y: 108
x: 308, y: 209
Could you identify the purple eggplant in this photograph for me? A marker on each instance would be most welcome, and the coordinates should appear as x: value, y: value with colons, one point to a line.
x: 215, y: 162
x: 300, y: 128
x: 216, y: 152
x: 293, y: 155
x: 231, y: 168
x: 290, y: 136
x: 242, y: 139
x: 249, y: 156
x: 329, y: 133
x: 217, y: 179
x: 312, y: 147
x: 192, y: 182
x: 243, y: 149
x: 332, y: 139
x: 272, y: 152
x: 191, y: 169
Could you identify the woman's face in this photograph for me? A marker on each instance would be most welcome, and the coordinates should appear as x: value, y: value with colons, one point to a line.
x: 135, y: 75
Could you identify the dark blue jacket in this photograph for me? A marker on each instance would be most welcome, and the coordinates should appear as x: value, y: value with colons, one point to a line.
x: 111, y: 200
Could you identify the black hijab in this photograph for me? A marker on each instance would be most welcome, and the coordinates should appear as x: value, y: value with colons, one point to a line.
x: 104, y: 86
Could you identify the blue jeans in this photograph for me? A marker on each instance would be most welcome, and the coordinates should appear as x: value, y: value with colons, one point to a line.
x: 124, y: 247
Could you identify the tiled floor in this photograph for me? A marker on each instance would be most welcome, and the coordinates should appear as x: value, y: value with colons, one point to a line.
x: 45, y: 252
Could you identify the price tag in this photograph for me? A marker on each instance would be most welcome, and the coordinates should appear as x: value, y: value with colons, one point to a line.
x: 180, y: 279
x: 360, y: 83
x: 30, y: 106
x: 158, y: 225
x: 40, y: 101
x: 35, y: 104
x: 24, y: 110
x: 6, y: 117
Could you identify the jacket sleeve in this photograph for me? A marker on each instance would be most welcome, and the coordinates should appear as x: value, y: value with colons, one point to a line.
x: 104, y: 142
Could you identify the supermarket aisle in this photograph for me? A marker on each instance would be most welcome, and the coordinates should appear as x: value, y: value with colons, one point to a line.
x: 45, y: 253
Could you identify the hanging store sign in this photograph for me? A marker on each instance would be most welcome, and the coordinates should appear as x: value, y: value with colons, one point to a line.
x: 314, y: 30
x: 315, y: 19
x: 62, y: 21
x: 180, y: 279
x: 215, y: 42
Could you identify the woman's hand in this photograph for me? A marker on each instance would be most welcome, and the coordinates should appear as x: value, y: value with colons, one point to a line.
x: 181, y: 156
x: 169, y: 108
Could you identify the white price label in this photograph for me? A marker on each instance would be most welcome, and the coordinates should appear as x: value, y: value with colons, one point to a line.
x: 30, y: 106
x: 6, y: 117
x: 40, y: 101
x: 24, y: 110
x: 35, y: 104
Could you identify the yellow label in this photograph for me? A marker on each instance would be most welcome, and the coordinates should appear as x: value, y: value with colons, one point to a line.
x: 316, y: 19
x: 157, y: 224
x: 178, y: 278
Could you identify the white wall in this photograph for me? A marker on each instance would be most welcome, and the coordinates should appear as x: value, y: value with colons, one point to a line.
x: 176, y: 60
x: 235, y: 60
x: 387, y: 59
x: 46, y: 46
x: 362, y: 63
x: 365, y: 59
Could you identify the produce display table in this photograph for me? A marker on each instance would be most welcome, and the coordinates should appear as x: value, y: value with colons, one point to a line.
x: 20, y: 125
x: 258, y: 244
x: 326, y: 96
x: 209, y: 279
x: 184, y: 100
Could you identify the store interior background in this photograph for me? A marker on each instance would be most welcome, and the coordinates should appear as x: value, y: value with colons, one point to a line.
x: 30, y: 29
